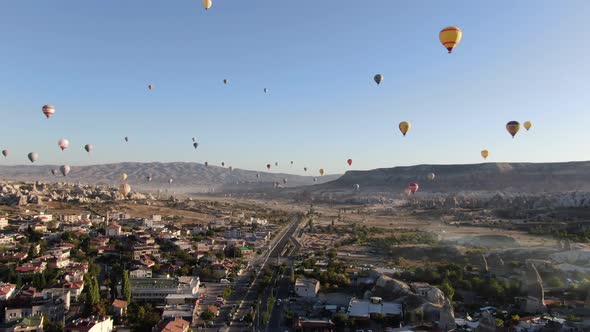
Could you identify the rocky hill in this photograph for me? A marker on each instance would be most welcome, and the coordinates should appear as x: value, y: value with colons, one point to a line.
x: 187, y: 177
x: 487, y: 177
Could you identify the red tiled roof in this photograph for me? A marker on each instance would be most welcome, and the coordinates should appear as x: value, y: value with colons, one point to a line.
x: 120, y: 304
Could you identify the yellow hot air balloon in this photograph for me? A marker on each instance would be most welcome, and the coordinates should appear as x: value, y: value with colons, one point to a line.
x: 404, y: 127
x: 527, y: 125
x: 124, y: 189
x: 513, y: 127
x: 450, y: 37
x: 123, y: 176
x: 322, y: 171
x: 207, y: 4
x: 485, y: 154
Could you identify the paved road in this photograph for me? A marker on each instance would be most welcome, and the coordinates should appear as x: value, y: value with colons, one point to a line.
x: 246, y: 291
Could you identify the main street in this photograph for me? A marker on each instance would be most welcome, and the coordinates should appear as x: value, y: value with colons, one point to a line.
x: 246, y: 302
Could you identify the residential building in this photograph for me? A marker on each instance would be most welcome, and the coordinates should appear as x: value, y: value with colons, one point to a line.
x: 70, y: 218
x: 140, y: 273
x: 305, y: 324
x: 234, y: 233
x: 54, y: 303
x: 6, y: 291
x: 367, y: 309
x: 156, y: 289
x: 91, y: 324
x: 120, y: 307
x: 32, y: 268
x: 141, y: 251
x: 3, y: 223
x: 113, y: 230
x: 420, y: 288
x: 175, y: 325
x: 307, y: 287
x: 27, y: 324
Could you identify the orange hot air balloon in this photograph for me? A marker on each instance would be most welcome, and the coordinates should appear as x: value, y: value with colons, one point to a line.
x: 450, y: 37
x: 485, y: 154
x: 527, y: 125
x: 404, y: 127
x: 349, y: 161
x: 513, y: 127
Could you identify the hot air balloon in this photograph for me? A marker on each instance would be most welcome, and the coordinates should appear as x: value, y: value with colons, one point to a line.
x: 225, y: 81
x: 276, y: 163
x: 285, y: 180
x: 265, y: 90
x: 450, y: 37
x: 407, y: 191
x: 267, y: 166
x: 194, y: 139
x: 170, y: 181
x: 378, y: 79
x: 315, y: 179
x: 349, y: 161
x: 33, y: 156
x: 356, y: 187
x: 195, y: 144
x: 431, y: 176
x: 65, y: 169
x: 485, y: 154
x: 150, y: 87
x: 305, y: 169
x: 124, y: 189
x: 291, y: 162
x: 88, y: 147
x: 222, y: 164
x: 513, y: 127
x: 322, y: 171
x: 527, y: 125
x: 207, y: 4
x: 231, y: 168
x: 126, y: 139
x: 54, y: 171
x: 206, y: 164
x: 404, y: 127
x: 257, y: 176
x: 413, y: 187
x: 5, y: 153
x: 48, y: 110
x: 123, y: 177
x: 149, y: 178
x: 63, y: 144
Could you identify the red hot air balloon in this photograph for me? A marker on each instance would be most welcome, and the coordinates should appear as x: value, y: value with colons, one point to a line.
x: 413, y: 187
x: 349, y: 161
x: 150, y: 86
x: 63, y: 144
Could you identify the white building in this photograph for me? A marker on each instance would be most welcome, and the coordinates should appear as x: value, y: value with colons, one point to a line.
x: 141, y: 273
x: 91, y: 324
x: 365, y: 309
x: 6, y: 291
x: 113, y: 230
x: 307, y: 287
x: 3, y: 223
x: 157, y: 289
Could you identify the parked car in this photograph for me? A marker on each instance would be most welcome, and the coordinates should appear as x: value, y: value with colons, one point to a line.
x: 279, y: 302
x: 224, y: 281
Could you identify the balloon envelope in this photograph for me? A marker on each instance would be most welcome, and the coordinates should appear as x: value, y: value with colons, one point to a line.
x: 54, y: 171
x: 450, y: 37
x: 65, y: 169
x: 63, y: 144
x: 527, y: 125
x: 126, y: 139
x: 88, y: 147
x: 431, y: 176
x: 513, y: 127
x: 349, y: 161
x: 48, y: 110
x: 322, y: 171
x: 124, y: 189
x: 413, y: 187
x: 33, y: 156
x: 195, y: 145
x: 485, y: 154
x: 378, y: 79
x: 207, y: 4
x: 123, y: 176
x: 404, y: 127
x: 5, y: 153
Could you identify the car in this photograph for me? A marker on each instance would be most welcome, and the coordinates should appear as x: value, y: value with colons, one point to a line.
x: 224, y: 281
x: 279, y: 302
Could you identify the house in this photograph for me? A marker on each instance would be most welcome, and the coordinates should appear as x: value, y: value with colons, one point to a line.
x: 367, y: 309
x: 113, y: 230
x: 27, y: 324
x: 307, y: 287
x: 91, y: 324
x: 3, y: 223
x: 6, y: 291
x: 120, y: 307
x: 175, y: 325
x: 140, y: 251
x: 70, y: 218
x: 245, y: 251
x: 140, y: 273
x: 32, y: 268
x: 305, y: 324
x: 75, y: 287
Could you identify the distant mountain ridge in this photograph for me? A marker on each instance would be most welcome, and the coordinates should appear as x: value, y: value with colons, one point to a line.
x: 510, y: 177
x: 187, y: 177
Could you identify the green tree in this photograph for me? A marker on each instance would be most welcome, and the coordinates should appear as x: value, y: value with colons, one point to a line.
x: 207, y: 315
x: 340, y: 319
x: 126, y: 287
x: 555, y: 282
x: 446, y: 288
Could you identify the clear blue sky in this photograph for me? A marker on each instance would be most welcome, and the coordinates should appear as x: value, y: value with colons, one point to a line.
x: 93, y: 59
